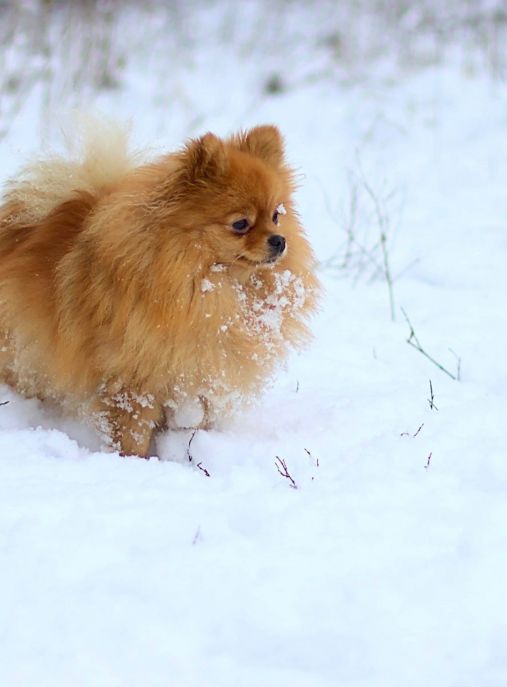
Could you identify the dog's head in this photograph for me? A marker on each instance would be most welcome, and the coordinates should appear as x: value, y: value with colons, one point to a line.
x: 234, y: 197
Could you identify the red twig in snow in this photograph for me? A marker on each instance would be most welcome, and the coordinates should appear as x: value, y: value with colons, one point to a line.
x: 407, y: 434
x: 419, y: 430
x: 203, y: 469
x: 189, y: 455
x: 281, y: 466
x: 317, y: 464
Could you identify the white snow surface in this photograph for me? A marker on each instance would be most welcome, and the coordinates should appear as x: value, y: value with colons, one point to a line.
x: 387, y: 565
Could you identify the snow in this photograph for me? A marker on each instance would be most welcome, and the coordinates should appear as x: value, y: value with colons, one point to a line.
x: 206, y: 285
x: 217, y: 267
x: 386, y: 566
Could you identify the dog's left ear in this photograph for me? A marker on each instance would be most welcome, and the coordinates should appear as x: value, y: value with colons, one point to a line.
x: 265, y: 142
x: 205, y: 158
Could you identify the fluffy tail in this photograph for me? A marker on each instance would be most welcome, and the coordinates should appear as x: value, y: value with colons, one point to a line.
x: 97, y: 160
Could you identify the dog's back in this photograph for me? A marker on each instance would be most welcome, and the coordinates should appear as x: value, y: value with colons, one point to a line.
x: 44, y: 210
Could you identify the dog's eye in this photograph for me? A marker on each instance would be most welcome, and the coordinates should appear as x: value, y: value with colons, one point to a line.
x: 275, y: 217
x: 241, y: 226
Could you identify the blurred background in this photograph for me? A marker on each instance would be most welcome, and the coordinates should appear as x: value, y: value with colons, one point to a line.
x: 369, y: 93
x: 189, y: 60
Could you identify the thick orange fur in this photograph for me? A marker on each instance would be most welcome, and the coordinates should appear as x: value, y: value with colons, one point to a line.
x: 125, y: 291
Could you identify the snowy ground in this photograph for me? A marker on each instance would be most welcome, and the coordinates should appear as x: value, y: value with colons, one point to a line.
x: 387, y: 565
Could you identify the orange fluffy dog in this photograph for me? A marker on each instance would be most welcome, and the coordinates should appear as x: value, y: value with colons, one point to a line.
x: 127, y: 292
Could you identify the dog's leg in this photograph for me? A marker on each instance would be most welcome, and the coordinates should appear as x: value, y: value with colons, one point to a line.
x: 7, y: 374
x: 206, y: 422
x: 128, y: 420
x: 195, y: 414
x: 5, y: 355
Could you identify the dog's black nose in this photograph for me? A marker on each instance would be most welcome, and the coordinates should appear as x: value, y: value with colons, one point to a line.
x: 277, y: 244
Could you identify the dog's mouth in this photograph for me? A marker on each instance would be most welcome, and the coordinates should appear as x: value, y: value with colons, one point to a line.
x: 261, y: 263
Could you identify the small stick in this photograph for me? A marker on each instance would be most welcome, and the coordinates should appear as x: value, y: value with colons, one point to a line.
x: 412, y: 337
x: 418, y: 430
x: 310, y: 455
x: 191, y: 458
x: 382, y: 222
x: 189, y: 455
x: 428, y: 461
x: 203, y: 469
x: 431, y: 400
x: 284, y: 471
x: 407, y: 434
x: 458, y: 373
x: 387, y: 274
x: 4, y: 403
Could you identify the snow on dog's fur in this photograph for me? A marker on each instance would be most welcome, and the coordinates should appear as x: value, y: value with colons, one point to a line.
x: 127, y: 291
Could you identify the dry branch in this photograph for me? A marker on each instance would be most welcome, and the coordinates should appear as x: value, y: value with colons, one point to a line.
x: 415, y: 343
x: 188, y: 454
x: 203, y: 469
x: 281, y: 466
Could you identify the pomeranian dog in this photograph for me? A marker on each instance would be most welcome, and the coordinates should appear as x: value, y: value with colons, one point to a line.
x: 128, y: 292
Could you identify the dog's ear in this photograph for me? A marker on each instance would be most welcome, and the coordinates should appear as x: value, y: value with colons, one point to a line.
x: 265, y: 142
x: 205, y: 158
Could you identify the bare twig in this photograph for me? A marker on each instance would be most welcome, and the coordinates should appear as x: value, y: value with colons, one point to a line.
x: 203, y: 469
x: 317, y: 464
x: 4, y: 403
x: 407, y: 434
x: 428, y: 461
x: 281, y: 466
x: 419, y: 430
x: 382, y: 221
x: 387, y: 273
x: 189, y: 455
x: 314, y: 461
x: 431, y: 399
x: 458, y: 373
x: 414, y: 342
x: 351, y: 223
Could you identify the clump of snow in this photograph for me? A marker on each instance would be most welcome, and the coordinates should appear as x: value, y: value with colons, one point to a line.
x: 190, y: 413
x: 126, y: 400
x: 218, y: 267
x: 207, y: 285
x: 264, y: 315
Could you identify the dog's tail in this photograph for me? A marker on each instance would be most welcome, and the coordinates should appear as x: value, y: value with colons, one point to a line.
x: 97, y: 160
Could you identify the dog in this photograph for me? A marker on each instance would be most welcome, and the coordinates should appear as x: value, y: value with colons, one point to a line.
x: 129, y: 292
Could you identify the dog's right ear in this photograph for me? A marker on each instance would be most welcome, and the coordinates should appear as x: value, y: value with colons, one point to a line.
x: 265, y: 142
x: 204, y: 159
